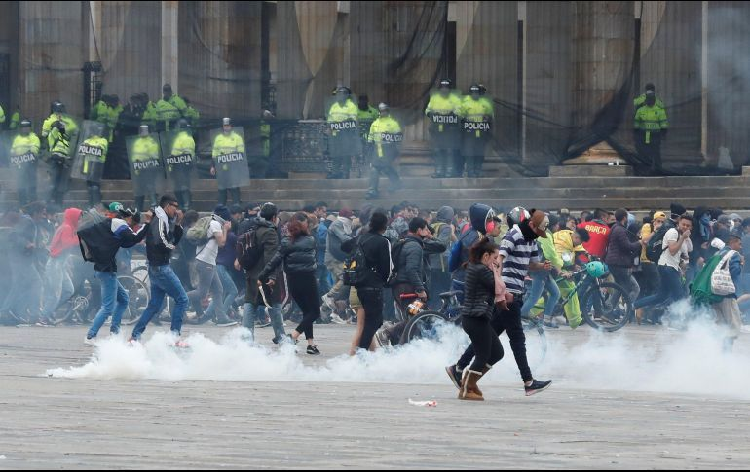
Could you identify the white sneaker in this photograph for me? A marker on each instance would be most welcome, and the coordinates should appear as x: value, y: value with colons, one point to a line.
x: 337, y: 319
x: 89, y: 341
x: 329, y: 301
x: 382, y: 338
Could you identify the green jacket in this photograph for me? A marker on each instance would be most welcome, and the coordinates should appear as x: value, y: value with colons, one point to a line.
x: 640, y: 100
x: 548, y: 249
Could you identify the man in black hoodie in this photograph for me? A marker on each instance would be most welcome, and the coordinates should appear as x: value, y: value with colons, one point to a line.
x: 162, y: 237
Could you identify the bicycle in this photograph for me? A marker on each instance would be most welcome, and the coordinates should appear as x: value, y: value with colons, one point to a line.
x: 429, y: 324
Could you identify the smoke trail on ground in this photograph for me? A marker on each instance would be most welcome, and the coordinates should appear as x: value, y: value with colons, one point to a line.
x: 689, y: 362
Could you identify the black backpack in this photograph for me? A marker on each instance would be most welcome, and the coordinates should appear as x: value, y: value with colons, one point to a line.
x: 356, y: 267
x: 249, y: 251
x: 654, y: 246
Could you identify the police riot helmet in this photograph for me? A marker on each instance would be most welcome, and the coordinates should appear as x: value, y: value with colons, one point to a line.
x: 143, y: 130
x: 58, y: 107
x: 475, y: 89
x: 25, y: 124
x: 446, y: 83
x: 517, y: 215
x: 383, y: 107
x: 226, y: 122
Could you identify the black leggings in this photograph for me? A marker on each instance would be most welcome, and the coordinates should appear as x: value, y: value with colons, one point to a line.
x: 487, y: 347
x: 303, y: 286
x: 372, y: 302
x: 510, y: 321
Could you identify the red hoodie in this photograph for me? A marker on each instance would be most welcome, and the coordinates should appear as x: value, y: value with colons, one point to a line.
x: 65, y: 236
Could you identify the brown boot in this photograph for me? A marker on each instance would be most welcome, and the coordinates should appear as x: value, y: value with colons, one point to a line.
x: 469, y: 390
x: 639, y: 315
x: 485, y: 369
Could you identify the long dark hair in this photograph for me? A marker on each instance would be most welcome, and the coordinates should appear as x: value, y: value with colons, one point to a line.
x: 480, y: 248
x: 295, y: 227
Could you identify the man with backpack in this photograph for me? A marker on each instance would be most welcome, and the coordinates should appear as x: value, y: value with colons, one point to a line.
x: 162, y: 237
x: 676, y: 247
x: 208, y: 234
x: 255, y: 249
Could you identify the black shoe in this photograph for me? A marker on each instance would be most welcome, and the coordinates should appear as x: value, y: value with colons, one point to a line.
x: 537, y: 386
x: 454, y: 375
x: 313, y: 350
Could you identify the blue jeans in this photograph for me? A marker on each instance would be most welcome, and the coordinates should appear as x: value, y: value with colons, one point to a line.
x: 670, y: 289
x: 252, y: 313
x: 58, y: 287
x: 163, y: 282
x: 115, y: 301
x: 230, y: 288
x: 541, y: 281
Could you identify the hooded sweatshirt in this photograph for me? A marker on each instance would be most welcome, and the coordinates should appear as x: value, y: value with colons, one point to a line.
x: 478, y: 213
x: 65, y: 237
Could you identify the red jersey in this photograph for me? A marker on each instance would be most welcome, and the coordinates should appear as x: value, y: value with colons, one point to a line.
x: 599, y: 238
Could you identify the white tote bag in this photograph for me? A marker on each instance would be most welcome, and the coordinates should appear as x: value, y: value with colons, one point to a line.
x: 721, y: 279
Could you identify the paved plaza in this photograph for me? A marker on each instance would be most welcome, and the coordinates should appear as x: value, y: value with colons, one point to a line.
x: 640, y: 398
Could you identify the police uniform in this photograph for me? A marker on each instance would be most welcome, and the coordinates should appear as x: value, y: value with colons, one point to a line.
x: 24, y: 155
x: 227, y: 144
x: 342, y: 143
x: 476, y: 118
x: 444, y: 133
x: 650, y: 125
x: 59, y: 145
x: 385, y: 136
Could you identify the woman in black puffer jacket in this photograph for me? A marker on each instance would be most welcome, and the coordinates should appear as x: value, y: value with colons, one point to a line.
x: 297, y: 252
x: 479, y: 305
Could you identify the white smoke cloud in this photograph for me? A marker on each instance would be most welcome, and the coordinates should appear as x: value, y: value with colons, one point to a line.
x: 689, y: 362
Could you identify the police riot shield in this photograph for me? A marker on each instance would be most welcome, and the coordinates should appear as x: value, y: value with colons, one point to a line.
x: 146, y: 166
x: 442, y: 113
x: 476, y: 126
x: 91, y: 152
x: 23, y: 154
x: 386, y: 135
x: 229, y: 158
x: 344, y: 138
x: 5, y: 143
x: 178, y: 149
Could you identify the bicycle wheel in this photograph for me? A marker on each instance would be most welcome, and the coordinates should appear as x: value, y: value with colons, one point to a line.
x: 606, y: 307
x: 425, y: 325
x: 78, y: 305
x: 139, y: 298
x: 536, y: 341
x: 141, y: 273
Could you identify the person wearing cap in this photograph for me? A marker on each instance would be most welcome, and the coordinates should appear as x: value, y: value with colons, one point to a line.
x: 443, y: 110
x: 100, y: 243
x: 640, y: 100
x: 170, y: 108
x: 145, y: 149
x: 227, y: 142
x: 519, y: 254
x: 24, y: 158
x: 339, y: 232
x: 179, y: 162
x: 650, y: 128
x: 208, y: 276
x: 727, y: 310
x: 342, y: 123
x: 163, y: 236
x: 385, y: 136
x: 58, y: 135
x: 477, y: 114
